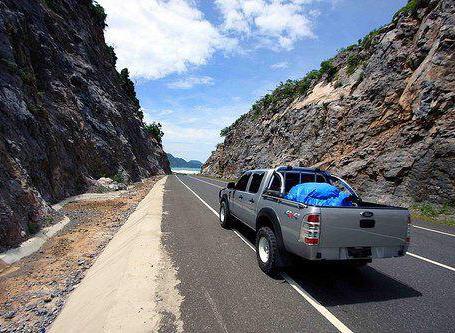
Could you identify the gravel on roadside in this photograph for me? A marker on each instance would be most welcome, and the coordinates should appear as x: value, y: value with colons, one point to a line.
x: 34, y: 289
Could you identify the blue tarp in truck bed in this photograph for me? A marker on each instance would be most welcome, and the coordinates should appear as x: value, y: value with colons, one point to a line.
x: 319, y: 194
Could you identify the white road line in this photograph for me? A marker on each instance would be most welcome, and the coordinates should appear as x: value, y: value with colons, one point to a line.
x: 439, y: 232
x: 411, y: 254
x: 431, y: 261
x: 203, y: 181
x: 244, y: 240
x: 320, y: 308
x: 313, y: 302
x: 205, y: 203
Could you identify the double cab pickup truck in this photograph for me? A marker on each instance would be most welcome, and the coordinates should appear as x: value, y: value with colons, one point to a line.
x: 353, y: 234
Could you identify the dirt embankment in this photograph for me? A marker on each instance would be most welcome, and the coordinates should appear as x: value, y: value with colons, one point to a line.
x: 33, y: 290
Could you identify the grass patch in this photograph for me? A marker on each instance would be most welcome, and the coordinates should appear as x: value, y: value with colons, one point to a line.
x: 33, y: 227
x: 367, y: 41
x: 410, y: 8
x: 440, y: 214
x: 119, y: 178
x: 100, y: 189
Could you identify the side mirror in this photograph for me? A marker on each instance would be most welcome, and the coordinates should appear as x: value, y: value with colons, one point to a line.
x: 231, y: 185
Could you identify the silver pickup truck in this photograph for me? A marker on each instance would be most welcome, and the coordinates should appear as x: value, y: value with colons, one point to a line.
x: 355, y: 234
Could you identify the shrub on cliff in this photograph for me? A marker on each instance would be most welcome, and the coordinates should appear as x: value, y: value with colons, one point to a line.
x: 328, y: 69
x: 128, y: 86
x: 98, y: 13
x: 225, y: 131
x: 154, y: 129
x: 112, y: 55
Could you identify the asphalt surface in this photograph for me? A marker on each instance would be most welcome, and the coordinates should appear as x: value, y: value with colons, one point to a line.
x: 225, y: 291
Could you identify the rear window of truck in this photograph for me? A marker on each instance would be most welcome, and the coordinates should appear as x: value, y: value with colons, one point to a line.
x: 242, y: 182
x: 294, y: 178
x: 256, y: 181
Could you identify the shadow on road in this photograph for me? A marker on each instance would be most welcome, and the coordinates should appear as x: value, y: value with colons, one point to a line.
x: 338, y: 284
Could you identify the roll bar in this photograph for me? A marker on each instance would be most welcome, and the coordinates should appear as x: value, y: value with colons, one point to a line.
x: 325, y: 173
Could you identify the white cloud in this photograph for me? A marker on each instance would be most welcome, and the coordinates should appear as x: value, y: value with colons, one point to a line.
x: 280, y: 65
x: 274, y: 22
x: 191, y: 81
x: 314, y: 12
x: 154, y: 38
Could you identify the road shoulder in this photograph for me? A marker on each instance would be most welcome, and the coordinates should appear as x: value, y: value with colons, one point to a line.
x: 119, y: 292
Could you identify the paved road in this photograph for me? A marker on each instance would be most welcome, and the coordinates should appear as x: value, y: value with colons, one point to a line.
x: 225, y: 291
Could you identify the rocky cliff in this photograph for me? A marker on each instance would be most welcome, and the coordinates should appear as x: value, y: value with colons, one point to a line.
x: 381, y: 114
x: 66, y: 115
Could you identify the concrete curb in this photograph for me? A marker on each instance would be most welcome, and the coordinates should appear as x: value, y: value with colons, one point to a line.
x: 118, y: 292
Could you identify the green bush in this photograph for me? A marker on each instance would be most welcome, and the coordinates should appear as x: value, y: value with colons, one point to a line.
x: 154, y: 129
x: 98, y: 13
x: 225, y: 131
x: 33, y: 227
x: 410, y: 8
x: 128, y: 86
x: 119, y: 178
x: 27, y: 76
x: 347, y: 48
x: 354, y: 60
x: 367, y: 41
x: 112, y: 55
x: 328, y: 69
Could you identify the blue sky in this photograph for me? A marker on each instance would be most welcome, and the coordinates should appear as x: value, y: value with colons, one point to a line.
x: 199, y: 65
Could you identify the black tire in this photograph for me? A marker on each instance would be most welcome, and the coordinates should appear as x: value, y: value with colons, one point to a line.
x: 272, y: 265
x: 225, y: 218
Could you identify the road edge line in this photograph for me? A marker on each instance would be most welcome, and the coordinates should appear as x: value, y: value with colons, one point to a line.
x: 203, y: 181
x: 433, y: 230
x: 431, y: 261
x: 313, y: 302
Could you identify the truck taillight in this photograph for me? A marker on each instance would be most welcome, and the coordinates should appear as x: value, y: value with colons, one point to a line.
x: 408, y: 230
x: 310, y: 229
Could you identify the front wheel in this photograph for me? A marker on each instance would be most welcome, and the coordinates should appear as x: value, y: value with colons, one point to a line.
x: 225, y: 215
x: 267, y: 251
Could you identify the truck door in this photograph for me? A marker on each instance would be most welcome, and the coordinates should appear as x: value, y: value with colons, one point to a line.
x: 251, y: 199
x: 236, y: 204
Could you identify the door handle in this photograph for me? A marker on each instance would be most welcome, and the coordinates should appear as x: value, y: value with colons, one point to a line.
x: 251, y: 200
x: 240, y: 196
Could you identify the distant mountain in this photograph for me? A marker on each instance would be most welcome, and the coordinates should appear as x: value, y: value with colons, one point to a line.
x: 177, y: 162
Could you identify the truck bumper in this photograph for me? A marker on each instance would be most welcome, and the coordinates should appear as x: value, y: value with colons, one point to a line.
x: 345, y: 253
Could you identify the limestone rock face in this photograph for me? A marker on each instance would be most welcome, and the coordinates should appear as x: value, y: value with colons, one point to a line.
x: 387, y: 126
x: 66, y: 117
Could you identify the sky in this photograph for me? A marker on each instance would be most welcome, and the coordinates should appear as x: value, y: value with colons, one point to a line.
x: 198, y: 65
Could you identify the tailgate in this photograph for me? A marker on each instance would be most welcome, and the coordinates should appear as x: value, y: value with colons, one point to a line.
x: 352, y: 227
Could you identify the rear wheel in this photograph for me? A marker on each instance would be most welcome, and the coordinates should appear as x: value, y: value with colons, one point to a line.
x: 267, y: 251
x: 225, y: 215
